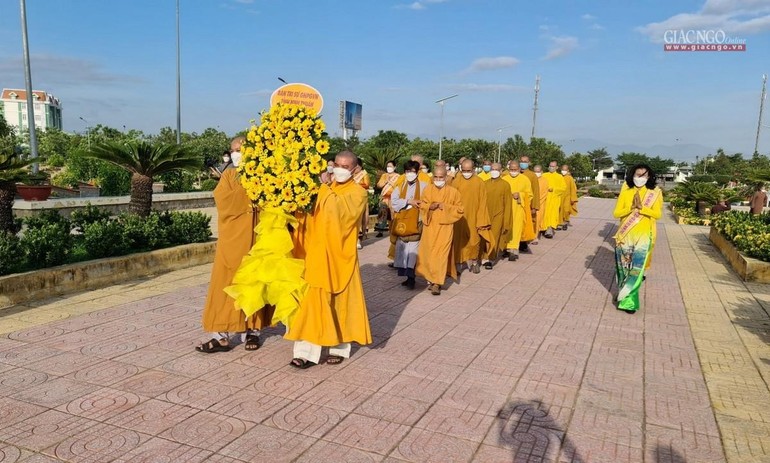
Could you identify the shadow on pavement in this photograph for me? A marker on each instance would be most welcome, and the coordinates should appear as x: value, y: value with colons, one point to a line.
x: 668, y: 455
x: 528, y: 430
x: 602, y: 262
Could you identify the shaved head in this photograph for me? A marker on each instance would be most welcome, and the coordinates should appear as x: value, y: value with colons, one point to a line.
x: 236, y: 144
x: 439, y: 173
x: 417, y: 157
x: 467, y: 165
x: 565, y: 167
x: 346, y: 160
x: 524, y: 158
x: 440, y: 163
x: 538, y: 168
x: 513, y: 165
x: 497, y: 166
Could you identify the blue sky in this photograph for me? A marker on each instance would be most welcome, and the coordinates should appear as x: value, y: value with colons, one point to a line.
x: 604, y: 74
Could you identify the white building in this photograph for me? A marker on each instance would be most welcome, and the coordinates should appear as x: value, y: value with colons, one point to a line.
x: 47, y: 109
x: 616, y: 175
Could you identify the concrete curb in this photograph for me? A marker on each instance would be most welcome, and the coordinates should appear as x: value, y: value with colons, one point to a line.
x: 45, y: 283
x: 749, y: 269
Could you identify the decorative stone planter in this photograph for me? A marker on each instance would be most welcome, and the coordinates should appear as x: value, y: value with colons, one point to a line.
x: 34, y: 192
x: 749, y: 269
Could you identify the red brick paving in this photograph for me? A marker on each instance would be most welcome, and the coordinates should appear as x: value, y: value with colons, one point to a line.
x: 527, y: 362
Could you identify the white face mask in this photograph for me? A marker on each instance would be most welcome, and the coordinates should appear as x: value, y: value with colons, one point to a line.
x: 424, y: 169
x: 551, y: 169
x: 467, y: 174
x: 342, y: 175
x: 515, y: 173
x: 226, y: 159
x: 640, y: 181
x: 330, y: 169
x: 410, y: 177
x: 439, y: 183
x: 236, y: 158
x: 390, y: 169
x: 564, y: 172
x: 538, y: 174
x: 495, y: 174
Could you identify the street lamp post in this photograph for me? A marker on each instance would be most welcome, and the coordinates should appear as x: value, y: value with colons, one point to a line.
x: 500, y: 141
x: 441, y: 127
x: 28, y: 87
x: 178, y: 82
x: 88, y: 130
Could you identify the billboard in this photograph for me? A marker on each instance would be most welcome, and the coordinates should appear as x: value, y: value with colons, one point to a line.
x: 350, y: 115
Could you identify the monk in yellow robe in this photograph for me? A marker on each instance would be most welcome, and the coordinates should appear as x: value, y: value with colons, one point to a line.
x: 499, y: 206
x: 442, y: 164
x: 236, y: 220
x: 535, y: 206
x: 333, y: 312
x: 442, y: 208
x: 557, y: 187
x: 570, y: 199
x: 486, y: 169
x: 362, y: 178
x: 543, y: 189
x: 520, y: 197
x: 475, y: 225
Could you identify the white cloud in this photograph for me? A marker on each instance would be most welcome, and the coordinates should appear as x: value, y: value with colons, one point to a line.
x: 596, y: 27
x: 488, y: 88
x: 589, y: 17
x: 492, y: 63
x: 734, y: 17
x: 419, y: 5
x: 561, y: 46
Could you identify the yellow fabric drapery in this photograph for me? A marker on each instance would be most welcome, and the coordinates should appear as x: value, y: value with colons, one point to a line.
x: 270, y: 275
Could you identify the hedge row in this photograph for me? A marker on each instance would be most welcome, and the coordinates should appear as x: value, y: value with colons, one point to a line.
x: 49, y: 239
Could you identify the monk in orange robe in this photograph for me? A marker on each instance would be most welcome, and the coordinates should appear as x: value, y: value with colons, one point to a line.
x: 500, y: 210
x: 333, y: 312
x: 442, y: 208
x: 475, y: 225
x: 236, y: 220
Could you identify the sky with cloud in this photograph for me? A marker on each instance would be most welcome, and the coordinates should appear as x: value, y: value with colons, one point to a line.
x: 604, y: 74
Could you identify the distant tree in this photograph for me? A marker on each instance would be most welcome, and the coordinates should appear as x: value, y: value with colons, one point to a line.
x: 542, y: 151
x: 515, y: 148
x: 600, y: 159
x: 580, y: 165
x: 429, y: 150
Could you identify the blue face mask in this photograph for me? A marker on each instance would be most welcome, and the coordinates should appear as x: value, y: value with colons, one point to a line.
x: 487, y: 168
x: 524, y: 165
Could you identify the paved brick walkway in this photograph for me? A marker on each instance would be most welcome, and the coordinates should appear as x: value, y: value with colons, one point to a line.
x: 528, y: 362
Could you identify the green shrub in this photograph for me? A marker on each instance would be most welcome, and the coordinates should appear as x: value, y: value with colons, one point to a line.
x: 47, y: 217
x: 209, y: 184
x: 186, y: 227
x: 11, y: 253
x: 143, y: 233
x: 104, y: 238
x: 177, y: 181
x: 749, y: 233
x: 88, y: 215
x: 47, y: 245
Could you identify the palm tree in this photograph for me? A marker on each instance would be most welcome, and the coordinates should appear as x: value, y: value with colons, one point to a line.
x: 12, y: 170
x: 145, y: 161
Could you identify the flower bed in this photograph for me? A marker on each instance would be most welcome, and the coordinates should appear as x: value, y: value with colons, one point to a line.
x: 744, y: 240
x: 688, y: 216
x: 749, y: 233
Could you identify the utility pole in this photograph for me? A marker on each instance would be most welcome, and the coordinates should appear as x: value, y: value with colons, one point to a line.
x: 441, y: 125
x: 761, y: 109
x: 534, y: 108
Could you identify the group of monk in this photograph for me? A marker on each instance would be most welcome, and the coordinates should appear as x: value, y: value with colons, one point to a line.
x: 469, y: 218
